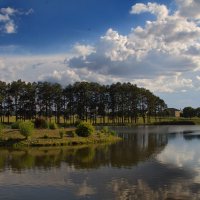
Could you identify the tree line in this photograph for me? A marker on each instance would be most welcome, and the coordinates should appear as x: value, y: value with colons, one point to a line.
x: 189, y: 112
x: 89, y: 101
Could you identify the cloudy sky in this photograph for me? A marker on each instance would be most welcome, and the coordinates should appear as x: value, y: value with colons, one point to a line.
x: 154, y: 44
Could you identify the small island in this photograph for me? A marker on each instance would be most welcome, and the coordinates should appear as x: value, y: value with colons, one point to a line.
x: 40, y: 133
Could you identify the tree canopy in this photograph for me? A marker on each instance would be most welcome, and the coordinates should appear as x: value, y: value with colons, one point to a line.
x: 87, y: 101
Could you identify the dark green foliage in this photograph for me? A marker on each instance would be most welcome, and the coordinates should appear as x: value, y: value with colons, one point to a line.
x: 15, y: 125
x: 105, y: 130
x: 113, y: 133
x: 41, y: 123
x: 77, y: 123
x: 65, y: 125
x: 26, y: 128
x: 189, y: 112
x: 71, y: 134
x: 85, y: 129
x: 46, y: 136
x: 1, y: 128
x: 53, y: 125
x: 61, y: 133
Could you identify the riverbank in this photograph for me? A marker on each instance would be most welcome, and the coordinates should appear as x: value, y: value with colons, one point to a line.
x: 176, y: 122
x: 46, y: 137
x: 161, y: 121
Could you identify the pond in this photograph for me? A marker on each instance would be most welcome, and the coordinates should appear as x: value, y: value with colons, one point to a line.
x: 151, y: 162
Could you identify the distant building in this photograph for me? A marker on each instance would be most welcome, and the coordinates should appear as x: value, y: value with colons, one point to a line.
x: 173, y: 112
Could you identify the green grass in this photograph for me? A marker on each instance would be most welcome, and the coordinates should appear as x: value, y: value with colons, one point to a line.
x: 178, y: 121
x: 196, y: 120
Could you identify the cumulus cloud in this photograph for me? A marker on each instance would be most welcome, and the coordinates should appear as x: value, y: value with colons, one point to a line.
x: 166, y: 83
x: 83, y: 50
x: 8, y: 11
x: 189, y: 8
x: 29, y: 68
x: 158, y: 55
x: 160, y: 11
x: 7, y: 15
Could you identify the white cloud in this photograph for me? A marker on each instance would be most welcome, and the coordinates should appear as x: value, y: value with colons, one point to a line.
x: 83, y: 50
x: 115, y: 46
x: 7, y: 23
x: 166, y: 83
x: 8, y: 11
x: 29, y: 68
x: 158, y: 55
x: 29, y: 12
x: 189, y: 8
x: 160, y: 11
x: 162, y: 55
x: 10, y: 27
x: 4, y: 18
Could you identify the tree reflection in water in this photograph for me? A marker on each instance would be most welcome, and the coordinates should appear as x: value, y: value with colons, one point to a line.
x: 145, y: 165
x: 137, y: 148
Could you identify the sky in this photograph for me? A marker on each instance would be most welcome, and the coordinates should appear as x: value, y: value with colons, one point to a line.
x: 154, y: 44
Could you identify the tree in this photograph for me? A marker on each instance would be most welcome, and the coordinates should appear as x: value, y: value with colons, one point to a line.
x: 188, y: 112
x: 119, y: 102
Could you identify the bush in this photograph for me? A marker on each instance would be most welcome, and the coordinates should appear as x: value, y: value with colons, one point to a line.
x: 84, y: 129
x: 105, y: 130
x: 113, y: 133
x: 99, y: 134
x: 15, y: 125
x: 71, y: 134
x: 53, y: 125
x: 1, y: 128
x: 45, y: 136
x: 41, y: 123
x: 66, y: 125
x: 77, y: 122
x: 61, y: 133
x: 26, y: 128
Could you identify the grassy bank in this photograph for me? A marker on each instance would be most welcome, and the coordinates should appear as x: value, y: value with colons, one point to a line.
x: 175, y: 122
x: 151, y: 121
x: 46, y: 137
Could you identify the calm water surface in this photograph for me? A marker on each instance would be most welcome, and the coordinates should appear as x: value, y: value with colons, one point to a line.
x: 150, y: 163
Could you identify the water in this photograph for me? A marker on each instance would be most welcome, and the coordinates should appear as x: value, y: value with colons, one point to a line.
x: 150, y: 163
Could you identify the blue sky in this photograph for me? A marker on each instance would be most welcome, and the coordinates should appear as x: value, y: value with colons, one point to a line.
x: 54, y: 26
x: 154, y: 44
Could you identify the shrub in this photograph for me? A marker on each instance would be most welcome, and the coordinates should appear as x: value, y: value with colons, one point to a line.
x: 15, y: 125
x: 45, y: 136
x: 71, y: 134
x: 53, y: 125
x: 77, y: 122
x: 1, y: 128
x: 84, y: 129
x: 99, y: 134
x: 61, y: 133
x: 41, y: 123
x: 66, y: 125
x: 105, y: 130
x: 113, y: 133
x: 26, y: 128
